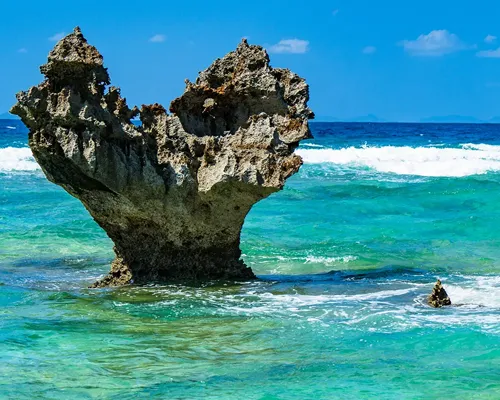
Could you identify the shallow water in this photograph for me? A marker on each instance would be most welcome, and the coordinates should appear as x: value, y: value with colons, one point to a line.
x: 346, y: 255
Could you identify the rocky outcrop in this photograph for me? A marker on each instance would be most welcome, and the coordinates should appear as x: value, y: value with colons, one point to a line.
x: 172, y: 193
x: 438, y: 298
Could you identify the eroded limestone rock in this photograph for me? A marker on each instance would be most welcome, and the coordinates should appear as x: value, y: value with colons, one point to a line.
x: 438, y: 298
x: 173, y: 193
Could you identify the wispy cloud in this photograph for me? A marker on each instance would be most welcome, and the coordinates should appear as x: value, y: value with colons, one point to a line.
x: 489, y: 53
x: 369, y: 50
x: 57, y: 37
x: 435, y: 43
x: 292, y: 46
x: 22, y: 50
x: 158, y: 38
x: 335, y: 12
x: 490, y: 39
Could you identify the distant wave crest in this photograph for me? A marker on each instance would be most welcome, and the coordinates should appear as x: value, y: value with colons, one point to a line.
x: 17, y: 159
x: 468, y: 159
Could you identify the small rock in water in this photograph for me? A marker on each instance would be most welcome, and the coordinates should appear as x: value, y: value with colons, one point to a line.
x: 438, y: 298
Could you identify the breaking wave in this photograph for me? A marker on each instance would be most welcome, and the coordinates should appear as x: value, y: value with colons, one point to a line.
x: 17, y: 159
x: 468, y: 159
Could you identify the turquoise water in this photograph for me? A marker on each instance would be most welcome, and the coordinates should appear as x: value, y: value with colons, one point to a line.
x: 346, y: 255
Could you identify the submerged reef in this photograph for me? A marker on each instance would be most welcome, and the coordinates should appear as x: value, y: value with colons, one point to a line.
x: 438, y: 298
x: 173, y: 192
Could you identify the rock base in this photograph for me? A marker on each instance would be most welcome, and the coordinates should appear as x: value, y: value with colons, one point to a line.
x: 182, y: 265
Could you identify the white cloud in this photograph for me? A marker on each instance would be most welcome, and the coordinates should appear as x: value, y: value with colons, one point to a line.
x: 490, y: 39
x: 22, y: 50
x: 369, y: 50
x: 489, y: 53
x: 158, y: 38
x: 292, y: 46
x: 335, y: 12
x: 436, y: 43
x: 57, y: 37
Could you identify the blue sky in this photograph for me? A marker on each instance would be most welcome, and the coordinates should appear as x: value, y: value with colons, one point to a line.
x: 399, y: 60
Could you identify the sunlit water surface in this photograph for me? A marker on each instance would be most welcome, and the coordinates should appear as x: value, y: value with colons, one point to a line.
x: 346, y: 255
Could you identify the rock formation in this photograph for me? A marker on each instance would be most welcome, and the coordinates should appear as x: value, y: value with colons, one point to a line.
x: 172, y: 193
x: 438, y: 298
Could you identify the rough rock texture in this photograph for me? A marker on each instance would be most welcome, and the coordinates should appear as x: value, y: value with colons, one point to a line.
x: 173, y: 193
x: 438, y: 297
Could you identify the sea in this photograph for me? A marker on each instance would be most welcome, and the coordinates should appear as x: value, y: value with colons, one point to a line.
x: 346, y: 255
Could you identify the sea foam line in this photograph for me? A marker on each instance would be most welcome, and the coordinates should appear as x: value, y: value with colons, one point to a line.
x: 469, y: 159
x: 17, y: 159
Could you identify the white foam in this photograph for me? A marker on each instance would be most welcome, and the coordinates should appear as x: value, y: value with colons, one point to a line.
x: 17, y: 159
x: 480, y: 146
x: 273, y: 303
x: 469, y: 159
x: 11, y: 127
x: 329, y: 260
x: 481, y: 291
